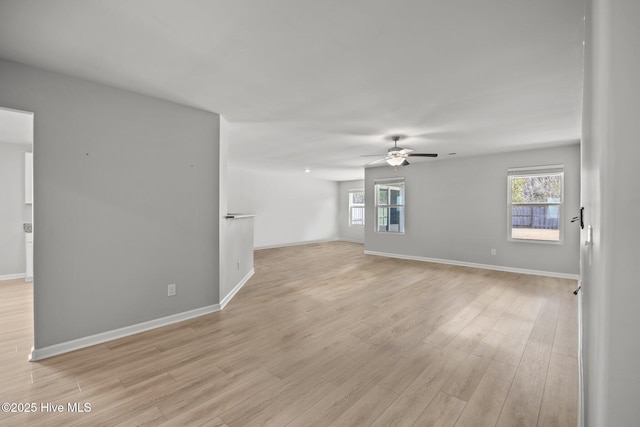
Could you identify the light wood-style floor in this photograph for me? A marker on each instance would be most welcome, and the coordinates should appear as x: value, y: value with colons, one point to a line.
x: 322, y: 335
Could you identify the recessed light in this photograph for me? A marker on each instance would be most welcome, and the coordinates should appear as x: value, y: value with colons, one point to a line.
x: 307, y: 170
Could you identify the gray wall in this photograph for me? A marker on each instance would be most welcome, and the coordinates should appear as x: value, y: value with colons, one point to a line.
x: 457, y: 211
x: 13, y: 211
x: 126, y: 190
x: 610, y: 267
x: 353, y: 233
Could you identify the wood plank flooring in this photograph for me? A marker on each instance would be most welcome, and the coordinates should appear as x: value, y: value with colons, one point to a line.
x: 322, y: 335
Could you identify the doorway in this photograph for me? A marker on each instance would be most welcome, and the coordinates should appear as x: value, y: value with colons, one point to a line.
x: 16, y: 229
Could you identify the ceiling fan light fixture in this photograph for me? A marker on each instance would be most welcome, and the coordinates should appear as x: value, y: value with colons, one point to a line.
x: 395, y: 160
x: 397, y: 156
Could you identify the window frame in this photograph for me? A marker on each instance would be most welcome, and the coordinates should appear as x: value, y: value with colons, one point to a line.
x: 535, y: 171
x: 356, y: 205
x: 377, y: 205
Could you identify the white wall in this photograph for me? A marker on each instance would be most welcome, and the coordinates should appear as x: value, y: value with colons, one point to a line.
x: 457, y: 211
x: 236, y: 235
x: 13, y: 210
x: 126, y: 190
x: 290, y: 208
x: 354, y: 233
x: 238, y: 256
x: 610, y: 267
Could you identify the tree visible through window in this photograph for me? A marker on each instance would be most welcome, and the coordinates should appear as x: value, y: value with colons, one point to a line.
x: 390, y: 206
x: 356, y: 207
x: 535, y: 203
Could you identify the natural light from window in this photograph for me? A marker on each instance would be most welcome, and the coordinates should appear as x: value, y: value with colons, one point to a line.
x: 535, y: 203
x: 390, y: 205
x: 356, y: 207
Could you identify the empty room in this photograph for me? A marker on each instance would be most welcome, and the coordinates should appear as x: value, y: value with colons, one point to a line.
x: 294, y: 213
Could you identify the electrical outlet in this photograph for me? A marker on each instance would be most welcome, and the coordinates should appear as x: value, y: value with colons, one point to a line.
x: 493, y: 251
x: 171, y: 290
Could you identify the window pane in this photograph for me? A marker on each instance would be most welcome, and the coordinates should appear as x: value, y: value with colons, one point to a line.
x: 396, y: 220
x: 391, y: 220
x: 356, y: 207
x: 536, y: 189
x: 383, y: 215
x: 535, y: 222
x: 536, y: 204
x: 395, y: 194
x: 390, y: 207
x: 357, y: 198
x: 383, y: 195
x: 357, y: 215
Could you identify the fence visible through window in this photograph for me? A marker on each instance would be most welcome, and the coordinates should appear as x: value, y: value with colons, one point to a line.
x: 535, y: 222
x: 535, y: 216
x: 535, y: 203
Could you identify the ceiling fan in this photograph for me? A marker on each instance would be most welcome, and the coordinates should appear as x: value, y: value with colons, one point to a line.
x: 397, y: 156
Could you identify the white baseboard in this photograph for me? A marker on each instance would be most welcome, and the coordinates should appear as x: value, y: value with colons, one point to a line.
x: 13, y: 276
x: 307, y: 242
x: 77, y: 344
x: 580, y: 363
x: 235, y: 290
x: 476, y: 265
x: 65, y: 347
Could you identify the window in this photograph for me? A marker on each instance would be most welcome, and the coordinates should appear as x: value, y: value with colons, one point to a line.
x: 535, y: 199
x: 390, y: 205
x: 356, y: 207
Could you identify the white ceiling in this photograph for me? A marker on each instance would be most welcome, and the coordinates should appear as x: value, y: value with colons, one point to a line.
x: 319, y: 83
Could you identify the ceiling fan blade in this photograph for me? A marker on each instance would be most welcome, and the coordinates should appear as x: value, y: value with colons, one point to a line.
x: 422, y: 155
x: 406, y: 151
x: 375, y: 161
x: 372, y: 155
x: 405, y: 163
